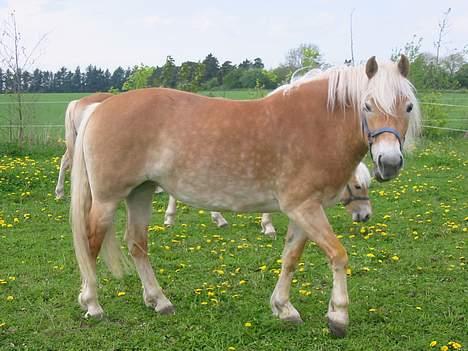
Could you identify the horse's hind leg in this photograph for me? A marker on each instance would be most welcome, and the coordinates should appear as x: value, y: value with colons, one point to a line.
x: 139, y: 212
x: 64, y: 165
x: 294, y: 246
x: 170, y: 211
x: 311, y: 219
x: 101, y: 218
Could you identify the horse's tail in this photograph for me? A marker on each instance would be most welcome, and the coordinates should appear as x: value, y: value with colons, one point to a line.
x: 81, y: 202
x: 70, y: 131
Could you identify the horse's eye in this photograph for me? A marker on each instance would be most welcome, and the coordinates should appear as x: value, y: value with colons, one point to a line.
x: 409, y: 108
x: 367, y: 107
x: 357, y: 186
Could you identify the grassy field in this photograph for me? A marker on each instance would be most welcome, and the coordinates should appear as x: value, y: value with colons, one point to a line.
x: 408, y: 285
x: 44, y: 113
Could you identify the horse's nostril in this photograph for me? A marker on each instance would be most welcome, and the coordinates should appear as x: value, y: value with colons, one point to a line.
x: 379, y: 161
x: 366, y: 217
x: 401, y: 162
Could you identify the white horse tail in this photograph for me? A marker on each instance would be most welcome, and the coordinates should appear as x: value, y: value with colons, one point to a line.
x: 81, y: 201
x: 70, y: 131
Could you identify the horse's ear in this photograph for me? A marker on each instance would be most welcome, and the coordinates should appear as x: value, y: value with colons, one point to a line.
x: 403, y: 66
x: 371, y: 67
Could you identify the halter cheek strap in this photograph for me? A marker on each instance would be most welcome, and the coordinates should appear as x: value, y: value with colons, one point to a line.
x: 372, y: 135
x: 353, y: 197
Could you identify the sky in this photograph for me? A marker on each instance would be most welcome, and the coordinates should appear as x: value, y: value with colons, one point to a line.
x: 111, y: 33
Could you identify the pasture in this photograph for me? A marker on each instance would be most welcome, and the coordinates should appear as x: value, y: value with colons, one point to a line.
x: 407, y: 277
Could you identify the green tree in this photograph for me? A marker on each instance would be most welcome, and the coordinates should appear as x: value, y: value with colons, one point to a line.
x: 462, y: 76
x: 258, y: 63
x: 305, y: 55
x: 211, y: 67
x: 224, y: 70
x: 186, y: 79
x: 258, y: 78
x: 118, y: 78
x: 169, y: 73
x: 77, y: 81
x: 232, y: 79
x: 139, y: 78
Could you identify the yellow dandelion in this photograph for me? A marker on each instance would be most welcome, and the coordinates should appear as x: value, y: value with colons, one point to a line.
x: 242, y: 282
x: 455, y: 345
x: 231, y: 348
x: 395, y: 258
x: 371, y: 255
x: 10, y: 298
x: 444, y: 348
x: 433, y: 343
x: 349, y: 271
x: 263, y: 268
x: 121, y: 293
x: 372, y: 310
x: 247, y: 324
x: 2, y: 325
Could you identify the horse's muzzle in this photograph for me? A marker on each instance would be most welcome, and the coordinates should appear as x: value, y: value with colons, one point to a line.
x: 388, y: 166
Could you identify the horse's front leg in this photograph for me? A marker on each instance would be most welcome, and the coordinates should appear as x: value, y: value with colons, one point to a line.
x: 294, y: 246
x: 311, y: 218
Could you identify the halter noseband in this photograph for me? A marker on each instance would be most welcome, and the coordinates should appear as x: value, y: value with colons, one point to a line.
x: 353, y: 197
x: 371, y: 135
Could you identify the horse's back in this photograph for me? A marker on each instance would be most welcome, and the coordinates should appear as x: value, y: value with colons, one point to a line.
x: 177, y: 138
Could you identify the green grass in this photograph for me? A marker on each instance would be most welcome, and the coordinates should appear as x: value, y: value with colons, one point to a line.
x: 408, y: 284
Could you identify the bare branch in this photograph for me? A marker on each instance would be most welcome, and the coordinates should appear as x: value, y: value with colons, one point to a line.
x: 443, y: 27
x: 351, y: 39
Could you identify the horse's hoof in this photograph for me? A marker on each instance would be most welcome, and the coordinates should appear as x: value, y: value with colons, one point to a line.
x: 294, y: 319
x: 95, y: 313
x: 222, y: 225
x: 286, y: 312
x: 165, y: 310
x: 337, y: 329
x: 272, y: 235
x: 168, y: 222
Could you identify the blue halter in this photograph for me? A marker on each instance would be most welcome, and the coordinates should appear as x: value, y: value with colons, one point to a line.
x: 372, y: 135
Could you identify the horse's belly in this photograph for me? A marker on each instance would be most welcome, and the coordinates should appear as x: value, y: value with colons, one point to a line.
x: 226, y: 198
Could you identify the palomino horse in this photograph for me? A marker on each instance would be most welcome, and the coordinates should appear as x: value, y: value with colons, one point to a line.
x: 355, y: 197
x: 291, y: 151
x: 73, y: 118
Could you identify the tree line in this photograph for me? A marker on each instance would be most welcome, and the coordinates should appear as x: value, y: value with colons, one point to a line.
x: 451, y: 72
x: 190, y: 75
x: 206, y: 74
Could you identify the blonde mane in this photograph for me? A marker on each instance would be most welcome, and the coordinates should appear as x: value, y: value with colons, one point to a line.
x: 362, y: 175
x: 349, y: 86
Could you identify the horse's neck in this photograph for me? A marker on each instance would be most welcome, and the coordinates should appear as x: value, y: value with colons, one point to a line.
x: 339, y: 128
